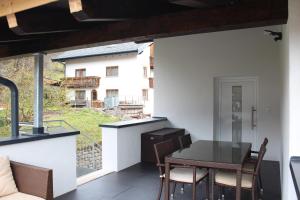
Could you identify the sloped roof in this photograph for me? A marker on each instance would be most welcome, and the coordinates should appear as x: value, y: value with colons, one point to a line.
x: 102, y: 50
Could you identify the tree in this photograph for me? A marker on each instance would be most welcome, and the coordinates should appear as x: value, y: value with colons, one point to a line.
x: 20, y: 71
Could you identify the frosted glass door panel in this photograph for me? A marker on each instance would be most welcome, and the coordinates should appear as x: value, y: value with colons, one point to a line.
x: 237, y: 100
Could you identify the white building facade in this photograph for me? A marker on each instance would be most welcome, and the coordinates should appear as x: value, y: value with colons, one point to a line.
x: 117, y: 74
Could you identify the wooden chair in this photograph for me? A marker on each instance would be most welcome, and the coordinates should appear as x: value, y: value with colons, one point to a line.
x: 252, y: 157
x: 249, y: 178
x: 178, y: 173
x: 250, y: 163
x: 185, y: 141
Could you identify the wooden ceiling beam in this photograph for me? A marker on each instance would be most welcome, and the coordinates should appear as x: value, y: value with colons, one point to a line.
x: 203, y: 3
x: 90, y: 10
x: 41, y: 21
x: 7, y: 36
x: 190, y: 3
x: 118, y: 10
x: 8, y: 7
x: 11, y: 38
x: 258, y: 13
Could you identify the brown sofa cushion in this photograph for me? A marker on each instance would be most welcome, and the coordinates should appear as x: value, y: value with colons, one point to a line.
x: 20, y: 196
x: 33, y: 180
x: 7, y: 183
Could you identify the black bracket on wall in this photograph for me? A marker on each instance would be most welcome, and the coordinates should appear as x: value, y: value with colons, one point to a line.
x: 277, y: 36
x: 14, y: 105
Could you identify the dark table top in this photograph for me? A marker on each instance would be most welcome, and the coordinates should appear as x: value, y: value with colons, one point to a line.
x: 213, y: 152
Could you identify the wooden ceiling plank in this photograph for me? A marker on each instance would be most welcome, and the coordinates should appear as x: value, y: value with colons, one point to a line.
x: 257, y: 13
x: 8, y: 7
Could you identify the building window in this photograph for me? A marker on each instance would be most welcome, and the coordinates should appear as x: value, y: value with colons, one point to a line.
x: 80, y: 72
x: 145, y: 95
x: 94, y: 95
x: 112, y: 93
x: 151, y: 72
x: 145, y: 72
x: 112, y: 71
x: 80, y: 95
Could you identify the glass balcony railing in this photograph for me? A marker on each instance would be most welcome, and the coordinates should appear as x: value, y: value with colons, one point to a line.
x: 50, y: 127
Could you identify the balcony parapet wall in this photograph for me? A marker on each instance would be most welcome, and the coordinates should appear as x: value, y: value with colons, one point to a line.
x: 121, y: 141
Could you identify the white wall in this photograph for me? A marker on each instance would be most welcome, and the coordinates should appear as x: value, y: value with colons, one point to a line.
x: 291, y: 98
x: 122, y: 146
x: 185, y: 71
x: 287, y: 187
x: 58, y: 154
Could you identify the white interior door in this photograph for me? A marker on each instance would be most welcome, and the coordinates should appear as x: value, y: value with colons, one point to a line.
x: 237, y: 110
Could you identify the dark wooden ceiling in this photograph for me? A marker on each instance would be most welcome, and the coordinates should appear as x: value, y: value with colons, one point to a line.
x: 53, y: 26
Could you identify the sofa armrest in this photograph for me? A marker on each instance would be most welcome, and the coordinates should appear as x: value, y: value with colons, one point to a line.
x: 33, y: 180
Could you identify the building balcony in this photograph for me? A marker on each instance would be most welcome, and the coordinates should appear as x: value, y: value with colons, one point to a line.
x: 82, y: 82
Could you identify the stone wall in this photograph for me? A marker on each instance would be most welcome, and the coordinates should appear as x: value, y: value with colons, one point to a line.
x: 89, y: 157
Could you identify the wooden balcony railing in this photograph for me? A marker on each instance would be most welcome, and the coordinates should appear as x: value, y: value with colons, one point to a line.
x: 151, y: 82
x: 82, y: 82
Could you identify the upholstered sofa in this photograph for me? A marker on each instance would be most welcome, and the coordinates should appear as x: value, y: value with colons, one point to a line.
x: 33, y: 183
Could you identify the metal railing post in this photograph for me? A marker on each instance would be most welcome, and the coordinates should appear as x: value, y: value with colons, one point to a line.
x: 38, y: 93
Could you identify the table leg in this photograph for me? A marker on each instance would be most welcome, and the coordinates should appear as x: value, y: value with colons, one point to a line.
x: 167, y: 181
x: 211, y: 183
x: 238, y: 184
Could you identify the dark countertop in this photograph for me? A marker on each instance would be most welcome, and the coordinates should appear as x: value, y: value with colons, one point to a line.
x: 295, y: 170
x: 30, y: 138
x: 135, y: 122
x: 164, y: 131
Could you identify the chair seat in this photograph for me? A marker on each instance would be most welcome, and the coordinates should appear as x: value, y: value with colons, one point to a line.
x: 20, y: 196
x: 186, y: 174
x: 229, y: 178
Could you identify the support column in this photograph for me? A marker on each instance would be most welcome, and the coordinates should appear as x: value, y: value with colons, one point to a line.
x: 38, y: 93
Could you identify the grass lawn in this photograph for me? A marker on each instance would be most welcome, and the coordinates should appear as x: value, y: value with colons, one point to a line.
x: 85, y: 120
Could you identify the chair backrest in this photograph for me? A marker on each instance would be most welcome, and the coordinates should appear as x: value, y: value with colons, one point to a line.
x: 185, y: 141
x: 266, y: 141
x: 261, y: 155
x: 162, y: 150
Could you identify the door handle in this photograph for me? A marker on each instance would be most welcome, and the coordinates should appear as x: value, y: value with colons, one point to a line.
x: 253, y: 124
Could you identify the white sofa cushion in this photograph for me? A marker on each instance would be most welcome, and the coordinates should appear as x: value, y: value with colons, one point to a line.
x: 186, y: 174
x: 20, y: 196
x: 7, y: 182
x: 229, y: 178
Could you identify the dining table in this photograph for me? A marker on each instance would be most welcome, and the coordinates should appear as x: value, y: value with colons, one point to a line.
x: 214, y: 155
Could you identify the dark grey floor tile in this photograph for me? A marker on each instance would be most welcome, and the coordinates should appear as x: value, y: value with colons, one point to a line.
x: 141, y: 182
